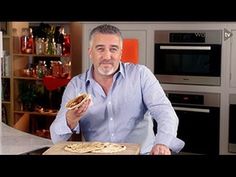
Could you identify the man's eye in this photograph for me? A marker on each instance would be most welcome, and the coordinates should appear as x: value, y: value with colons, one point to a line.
x: 113, y: 49
x: 100, y: 49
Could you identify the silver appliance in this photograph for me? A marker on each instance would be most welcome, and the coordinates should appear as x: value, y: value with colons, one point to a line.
x: 188, y: 56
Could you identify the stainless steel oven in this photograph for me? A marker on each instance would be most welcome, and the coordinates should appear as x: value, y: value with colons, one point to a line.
x: 199, y: 115
x: 232, y: 123
x: 188, y: 57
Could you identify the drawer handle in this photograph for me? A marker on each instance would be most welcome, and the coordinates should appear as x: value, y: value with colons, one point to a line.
x: 192, y: 109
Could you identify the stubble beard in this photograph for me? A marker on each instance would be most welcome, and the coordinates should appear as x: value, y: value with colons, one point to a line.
x: 106, y: 71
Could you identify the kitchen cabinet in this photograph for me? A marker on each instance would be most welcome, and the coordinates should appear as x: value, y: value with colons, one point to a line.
x: 36, y: 92
x: 32, y: 99
x: 6, y: 76
x: 33, y: 103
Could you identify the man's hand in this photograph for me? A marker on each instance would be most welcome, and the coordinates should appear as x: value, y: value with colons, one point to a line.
x: 160, y: 149
x: 73, y: 116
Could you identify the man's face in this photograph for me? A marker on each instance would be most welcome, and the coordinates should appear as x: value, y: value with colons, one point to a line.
x: 105, y: 52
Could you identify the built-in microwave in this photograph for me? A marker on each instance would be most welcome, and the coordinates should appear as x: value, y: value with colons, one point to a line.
x: 188, y: 56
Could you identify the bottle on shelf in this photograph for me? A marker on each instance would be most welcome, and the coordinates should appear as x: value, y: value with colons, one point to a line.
x: 5, y: 64
x: 31, y: 42
x: 59, y: 49
x: 66, y: 45
x: 39, y: 46
x: 27, y: 41
x: 41, y: 69
x: 63, y: 40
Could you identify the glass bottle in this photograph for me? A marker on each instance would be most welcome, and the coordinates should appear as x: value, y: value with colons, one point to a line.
x: 24, y: 40
x: 27, y: 41
x: 56, y: 68
x: 41, y: 69
x: 59, y: 49
x: 66, y: 45
x: 51, y: 49
x: 39, y: 45
x: 31, y: 42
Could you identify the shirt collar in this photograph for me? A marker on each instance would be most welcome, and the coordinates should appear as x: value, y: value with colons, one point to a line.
x: 122, y: 70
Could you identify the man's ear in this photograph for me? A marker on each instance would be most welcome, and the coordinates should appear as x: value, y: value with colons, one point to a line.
x: 89, y: 52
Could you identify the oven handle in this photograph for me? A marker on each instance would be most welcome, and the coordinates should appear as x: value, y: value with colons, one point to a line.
x: 202, y: 110
x: 186, y: 47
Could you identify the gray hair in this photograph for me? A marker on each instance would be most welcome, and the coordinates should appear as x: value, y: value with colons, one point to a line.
x: 105, y: 29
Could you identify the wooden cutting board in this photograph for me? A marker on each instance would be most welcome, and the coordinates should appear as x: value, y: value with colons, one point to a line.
x: 58, y: 149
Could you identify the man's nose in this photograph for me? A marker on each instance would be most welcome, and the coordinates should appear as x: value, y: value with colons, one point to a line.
x: 107, y: 54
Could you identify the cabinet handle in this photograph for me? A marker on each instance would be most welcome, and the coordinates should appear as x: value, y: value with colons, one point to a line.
x: 186, y: 47
x: 191, y: 109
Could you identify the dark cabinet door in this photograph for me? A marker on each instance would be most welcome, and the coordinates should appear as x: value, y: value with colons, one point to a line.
x: 232, y: 128
x: 199, y: 129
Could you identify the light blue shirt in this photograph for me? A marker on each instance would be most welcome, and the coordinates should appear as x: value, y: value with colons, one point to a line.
x: 125, y: 114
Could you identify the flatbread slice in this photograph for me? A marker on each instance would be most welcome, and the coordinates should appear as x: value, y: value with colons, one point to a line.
x: 94, y: 147
x: 78, y: 101
x: 111, y: 148
x: 83, y: 147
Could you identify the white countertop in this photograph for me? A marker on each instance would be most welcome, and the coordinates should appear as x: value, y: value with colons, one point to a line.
x: 14, y: 142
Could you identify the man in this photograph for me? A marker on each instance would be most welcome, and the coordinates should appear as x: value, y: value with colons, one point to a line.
x: 125, y: 98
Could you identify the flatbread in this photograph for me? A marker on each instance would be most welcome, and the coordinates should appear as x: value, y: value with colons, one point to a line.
x: 94, y: 147
x: 83, y: 147
x: 78, y: 101
x: 111, y: 148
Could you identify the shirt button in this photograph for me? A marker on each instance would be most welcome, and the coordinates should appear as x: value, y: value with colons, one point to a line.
x: 109, y: 102
x: 112, y: 134
x: 111, y: 118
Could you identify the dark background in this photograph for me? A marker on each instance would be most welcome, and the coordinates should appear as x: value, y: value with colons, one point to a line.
x: 148, y: 10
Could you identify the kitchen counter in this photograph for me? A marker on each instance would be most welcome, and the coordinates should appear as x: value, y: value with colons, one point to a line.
x: 16, y: 142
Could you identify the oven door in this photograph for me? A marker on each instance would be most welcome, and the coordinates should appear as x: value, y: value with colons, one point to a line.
x: 232, y: 128
x: 199, y: 61
x: 199, y: 128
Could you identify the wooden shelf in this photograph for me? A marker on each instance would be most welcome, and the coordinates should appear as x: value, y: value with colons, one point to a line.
x: 6, y: 36
x: 35, y: 55
x: 6, y: 102
x: 26, y: 78
x: 6, y: 77
x: 18, y: 77
x: 36, y: 113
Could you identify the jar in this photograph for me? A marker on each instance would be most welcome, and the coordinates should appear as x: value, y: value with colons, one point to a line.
x: 59, y: 49
x: 39, y: 45
x: 57, y: 68
x: 41, y: 69
x: 27, y: 41
x: 51, y: 46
